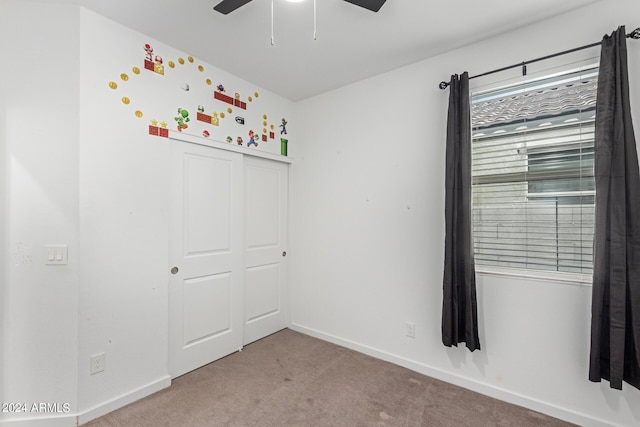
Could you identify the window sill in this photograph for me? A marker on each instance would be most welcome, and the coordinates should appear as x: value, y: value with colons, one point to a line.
x: 544, y: 276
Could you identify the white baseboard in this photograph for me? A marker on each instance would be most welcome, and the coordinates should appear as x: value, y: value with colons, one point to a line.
x: 67, y: 420
x: 125, y: 399
x: 470, y: 384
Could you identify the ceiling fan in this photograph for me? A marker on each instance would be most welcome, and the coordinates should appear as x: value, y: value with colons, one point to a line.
x: 228, y: 6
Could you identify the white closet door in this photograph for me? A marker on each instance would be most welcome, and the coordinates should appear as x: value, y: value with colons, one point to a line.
x: 206, y: 256
x: 265, y: 261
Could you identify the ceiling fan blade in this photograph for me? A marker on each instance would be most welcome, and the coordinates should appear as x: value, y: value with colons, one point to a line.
x: 227, y: 6
x: 373, y: 5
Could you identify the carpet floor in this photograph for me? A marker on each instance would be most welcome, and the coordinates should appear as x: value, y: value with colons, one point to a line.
x: 291, y: 379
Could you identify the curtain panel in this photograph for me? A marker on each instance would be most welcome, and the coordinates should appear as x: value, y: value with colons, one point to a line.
x: 615, y: 312
x: 459, y: 306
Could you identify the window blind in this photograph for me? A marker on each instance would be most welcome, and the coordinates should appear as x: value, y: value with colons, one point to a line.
x: 532, y: 171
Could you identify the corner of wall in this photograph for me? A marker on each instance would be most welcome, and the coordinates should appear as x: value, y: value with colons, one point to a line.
x: 39, y: 207
x: 4, y: 206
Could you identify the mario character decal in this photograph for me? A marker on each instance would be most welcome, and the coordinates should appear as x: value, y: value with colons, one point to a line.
x: 151, y: 62
x: 206, y: 133
x: 252, y: 139
x: 283, y: 126
x: 229, y: 140
x: 149, y: 50
x: 182, y: 118
x: 239, y: 140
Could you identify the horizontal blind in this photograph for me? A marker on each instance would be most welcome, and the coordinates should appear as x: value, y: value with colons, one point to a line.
x: 533, y: 184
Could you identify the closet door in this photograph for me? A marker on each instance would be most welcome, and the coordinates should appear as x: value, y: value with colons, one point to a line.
x: 205, y: 244
x: 265, y: 239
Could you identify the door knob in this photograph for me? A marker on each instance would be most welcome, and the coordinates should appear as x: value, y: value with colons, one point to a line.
x: 174, y: 270
x: 284, y: 253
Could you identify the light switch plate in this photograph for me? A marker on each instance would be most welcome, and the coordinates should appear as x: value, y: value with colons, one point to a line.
x: 55, y: 254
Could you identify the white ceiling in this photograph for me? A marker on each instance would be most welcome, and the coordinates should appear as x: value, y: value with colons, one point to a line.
x: 352, y: 43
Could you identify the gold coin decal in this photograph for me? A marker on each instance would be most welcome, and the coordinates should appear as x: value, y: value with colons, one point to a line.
x: 113, y: 85
x: 125, y: 100
x: 264, y: 130
x: 138, y: 113
x: 208, y: 82
x: 264, y: 123
x: 264, y: 116
x: 255, y: 94
x: 181, y: 61
x: 229, y: 110
x: 190, y: 58
x: 222, y: 115
x: 124, y: 77
x: 171, y: 64
x: 135, y: 70
x: 200, y: 68
x: 271, y: 127
x: 250, y: 99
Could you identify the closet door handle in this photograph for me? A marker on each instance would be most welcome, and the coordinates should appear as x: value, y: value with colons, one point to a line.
x: 174, y: 270
x: 284, y: 253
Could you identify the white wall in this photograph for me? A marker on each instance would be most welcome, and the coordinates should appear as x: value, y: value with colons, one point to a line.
x: 39, y: 134
x: 4, y: 232
x: 124, y: 200
x: 123, y: 224
x: 79, y: 168
x: 368, y: 227
x: 367, y: 198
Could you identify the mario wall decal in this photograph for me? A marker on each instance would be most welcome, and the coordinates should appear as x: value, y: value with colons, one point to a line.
x: 151, y: 62
x: 235, y: 100
x: 252, y: 139
x: 214, y: 120
x: 156, y: 130
x: 182, y: 118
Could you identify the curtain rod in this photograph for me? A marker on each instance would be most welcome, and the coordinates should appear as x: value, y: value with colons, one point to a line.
x: 635, y: 34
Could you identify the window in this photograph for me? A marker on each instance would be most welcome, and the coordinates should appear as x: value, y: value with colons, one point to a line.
x: 533, y: 184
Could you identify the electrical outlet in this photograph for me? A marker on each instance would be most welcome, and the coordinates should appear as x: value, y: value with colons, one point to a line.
x: 410, y: 329
x: 96, y: 363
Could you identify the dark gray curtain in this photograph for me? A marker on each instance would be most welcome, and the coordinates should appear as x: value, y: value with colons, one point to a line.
x: 615, y: 311
x: 459, y: 308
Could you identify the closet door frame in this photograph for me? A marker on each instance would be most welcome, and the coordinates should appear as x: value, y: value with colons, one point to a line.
x: 253, y: 311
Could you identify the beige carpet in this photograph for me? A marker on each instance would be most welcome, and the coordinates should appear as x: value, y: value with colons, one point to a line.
x: 290, y: 379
